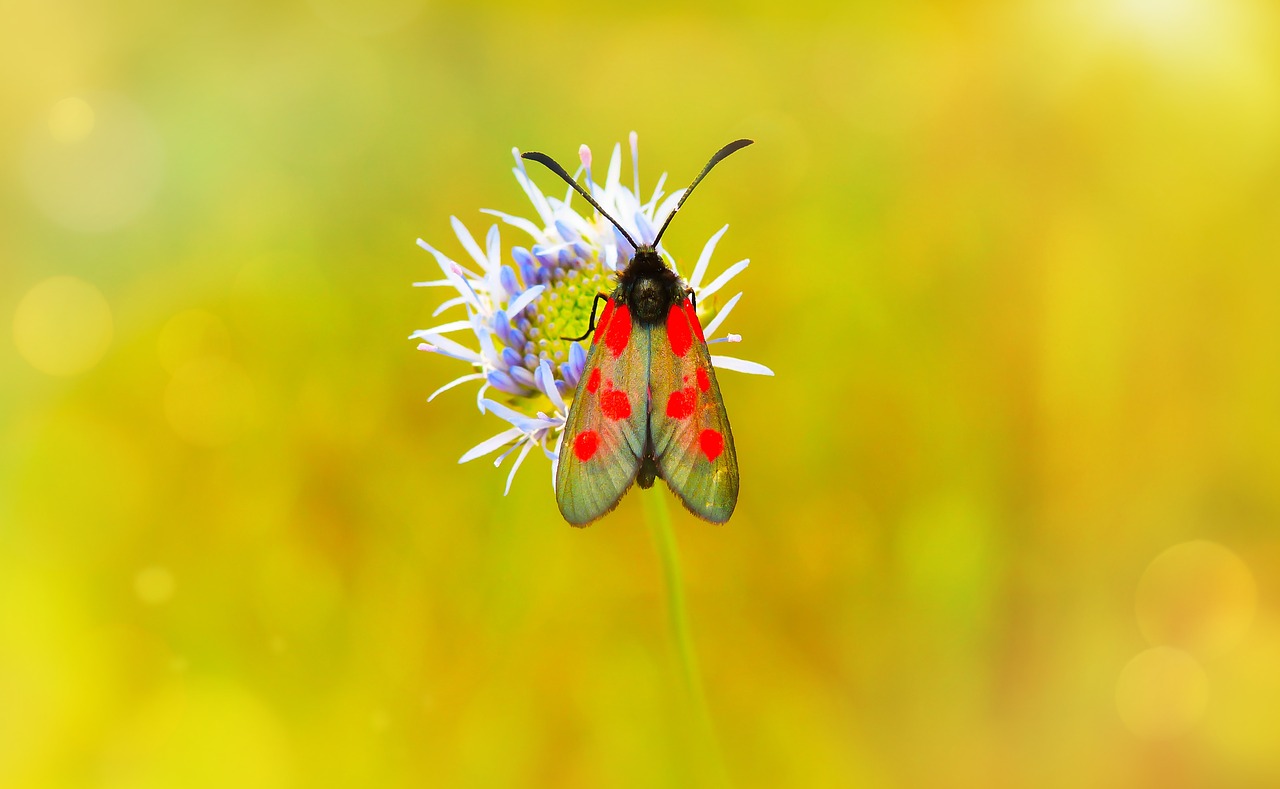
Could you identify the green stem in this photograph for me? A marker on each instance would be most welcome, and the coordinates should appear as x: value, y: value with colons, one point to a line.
x: 659, y: 517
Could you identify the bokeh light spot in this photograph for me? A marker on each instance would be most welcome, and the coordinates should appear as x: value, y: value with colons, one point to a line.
x: 154, y: 585
x: 210, y: 402
x: 62, y: 326
x: 1197, y: 596
x: 93, y: 166
x: 71, y: 120
x: 1161, y: 693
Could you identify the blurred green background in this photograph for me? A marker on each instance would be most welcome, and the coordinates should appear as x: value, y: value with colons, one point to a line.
x: 1009, y: 507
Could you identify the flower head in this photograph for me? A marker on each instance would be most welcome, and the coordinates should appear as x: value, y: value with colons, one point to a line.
x: 520, y: 308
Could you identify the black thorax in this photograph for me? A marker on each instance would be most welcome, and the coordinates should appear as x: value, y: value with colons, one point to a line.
x: 648, y: 287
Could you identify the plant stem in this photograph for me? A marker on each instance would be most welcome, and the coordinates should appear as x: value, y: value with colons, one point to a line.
x: 659, y: 517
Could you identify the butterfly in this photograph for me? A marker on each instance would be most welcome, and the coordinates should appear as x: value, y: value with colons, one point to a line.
x: 648, y: 405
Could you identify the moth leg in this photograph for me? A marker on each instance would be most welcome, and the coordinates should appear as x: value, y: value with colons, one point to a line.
x: 693, y: 297
x: 591, y: 326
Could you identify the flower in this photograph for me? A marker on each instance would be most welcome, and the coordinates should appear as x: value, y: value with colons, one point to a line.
x: 520, y: 310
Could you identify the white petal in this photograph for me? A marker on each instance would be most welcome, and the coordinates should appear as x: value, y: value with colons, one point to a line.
x: 612, y: 180
x: 487, y: 351
x: 441, y: 329
x: 514, y: 466
x: 701, y: 268
x: 493, y: 249
x: 490, y: 444
x: 526, y: 423
x: 451, y: 348
x: 739, y: 365
x: 524, y: 300
x: 555, y: 464
x: 518, y: 221
x: 657, y: 192
x: 498, y: 460
x: 445, y: 262
x: 447, y: 303
x: 668, y: 205
x: 634, y: 139
x: 469, y: 243
x: 535, y: 194
x: 435, y: 283
x: 722, y: 280
x: 710, y: 330
x: 455, y: 382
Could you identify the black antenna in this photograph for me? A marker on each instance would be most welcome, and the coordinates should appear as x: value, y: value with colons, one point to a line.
x: 554, y: 166
x: 721, y: 154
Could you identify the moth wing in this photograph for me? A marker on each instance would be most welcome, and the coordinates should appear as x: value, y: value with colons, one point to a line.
x: 692, y: 441
x: 605, y: 433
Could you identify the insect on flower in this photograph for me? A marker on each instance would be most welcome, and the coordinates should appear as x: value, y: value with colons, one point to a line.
x: 647, y: 405
x: 521, y: 313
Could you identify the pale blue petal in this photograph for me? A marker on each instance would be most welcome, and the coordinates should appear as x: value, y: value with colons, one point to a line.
x: 525, y: 299
x: 507, y: 277
x: 522, y: 376
x: 547, y: 383
x: 503, y: 382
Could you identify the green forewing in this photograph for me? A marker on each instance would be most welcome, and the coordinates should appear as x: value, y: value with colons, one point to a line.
x: 688, y: 425
x: 604, y: 437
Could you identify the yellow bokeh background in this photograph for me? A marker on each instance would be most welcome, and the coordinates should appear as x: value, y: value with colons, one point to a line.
x: 1009, y: 508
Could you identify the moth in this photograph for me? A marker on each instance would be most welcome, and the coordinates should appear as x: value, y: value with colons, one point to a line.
x: 648, y: 405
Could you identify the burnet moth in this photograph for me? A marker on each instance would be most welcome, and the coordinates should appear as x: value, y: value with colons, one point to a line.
x: 648, y: 405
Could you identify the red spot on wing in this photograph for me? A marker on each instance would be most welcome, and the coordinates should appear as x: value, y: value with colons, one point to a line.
x: 712, y: 443
x: 615, y: 404
x: 586, y: 444
x: 603, y: 323
x: 593, y: 382
x: 680, y: 404
x: 704, y: 383
x: 678, y: 333
x: 693, y: 321
x: 619, y: 330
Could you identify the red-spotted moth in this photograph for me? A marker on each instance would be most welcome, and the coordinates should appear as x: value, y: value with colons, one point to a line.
x: 648, y: 405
